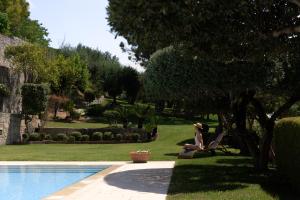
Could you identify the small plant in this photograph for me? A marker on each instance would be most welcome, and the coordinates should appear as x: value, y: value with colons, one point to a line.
x: 4, y: 91
x: 48, y: 137
x: 42, y: 136
x: 74, y: 115
x: 77, y: 135
x: 25, y: 137
x: 85, y: 138
x: 61, y: 137
x: 118, y: 137
x: 71, y: 139
x: 107, y: 136
x: 135, y: 137
x: 97, y: 136
x: 34, y: 137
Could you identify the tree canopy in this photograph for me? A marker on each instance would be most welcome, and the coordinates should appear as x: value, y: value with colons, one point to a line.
x: 15, y: 21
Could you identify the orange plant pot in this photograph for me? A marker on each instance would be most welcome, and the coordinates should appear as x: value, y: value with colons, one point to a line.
x: 139, y: 157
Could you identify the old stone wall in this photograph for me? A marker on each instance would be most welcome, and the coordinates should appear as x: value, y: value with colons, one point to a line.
x: 10, y: 128
x: 14, y: 81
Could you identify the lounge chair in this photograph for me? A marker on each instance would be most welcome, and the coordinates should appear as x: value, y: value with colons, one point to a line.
x: 212, y: 146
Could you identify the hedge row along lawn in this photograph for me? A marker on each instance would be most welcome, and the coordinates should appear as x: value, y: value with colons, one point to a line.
x: 205, y: 177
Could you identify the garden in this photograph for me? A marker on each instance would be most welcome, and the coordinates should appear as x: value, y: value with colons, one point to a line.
x: 232, y: 66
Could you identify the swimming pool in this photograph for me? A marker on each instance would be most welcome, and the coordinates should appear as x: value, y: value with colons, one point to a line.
x: 33, y: 182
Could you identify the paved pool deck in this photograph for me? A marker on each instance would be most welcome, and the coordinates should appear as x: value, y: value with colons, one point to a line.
x: 121, y: 181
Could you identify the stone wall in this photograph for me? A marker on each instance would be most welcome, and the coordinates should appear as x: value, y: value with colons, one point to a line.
x: 10, y: 128
x: 12, y: 103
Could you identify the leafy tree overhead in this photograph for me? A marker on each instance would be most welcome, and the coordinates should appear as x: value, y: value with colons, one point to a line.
x: 18, y: 23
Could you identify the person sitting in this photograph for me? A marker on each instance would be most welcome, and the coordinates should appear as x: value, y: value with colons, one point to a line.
x: 198, y: 146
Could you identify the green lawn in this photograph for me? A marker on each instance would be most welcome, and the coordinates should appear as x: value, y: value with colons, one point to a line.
x: 205, y: 177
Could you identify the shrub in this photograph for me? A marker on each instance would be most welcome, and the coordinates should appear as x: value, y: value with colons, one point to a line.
x: 76, y: 135
x: 34, y: 98
x: 119, y: 137
x: 97, y: 136
x: 34, y: 137
x: 25, y: 137
x: 107, y: 136
x: 85, y: 138
x: 61, y: 137
x: 135, y: 137
x: 48, y: 137
x: 111, y: 116
x: 74, y: 115
x: 71, y: 139
x: 42, y: 136
x: 95, y: 110
x: 287, y: 147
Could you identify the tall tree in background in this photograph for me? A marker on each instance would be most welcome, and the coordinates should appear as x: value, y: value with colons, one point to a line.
x: 130, y: 83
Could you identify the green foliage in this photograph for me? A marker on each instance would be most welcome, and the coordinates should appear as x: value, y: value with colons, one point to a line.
x: 95, y: 110
x: 75, y: 115
x: 107, y: 136
x: 118, y: 137
x: 135, y: 137
x: 97, y: 136
x: 4, y: 91
x: 61, y: 137
x: 3, y: 22
x: 287, y: 147
x: 48, y: 137
x: 111, y: 116
x: 15, y: 21
x: 34, y: 98
x: 112, y: 83
x: 99, y: 63
x: 71, y: 139
x: 130, y: 83
x: 89, y: 95
x: 77, y: 135
x: 34, y: 137
x: 25, y: 137
x: 85, y: 138
x: 34, y: 62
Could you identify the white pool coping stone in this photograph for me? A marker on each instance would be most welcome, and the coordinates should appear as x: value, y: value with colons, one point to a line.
x: 121, y: 181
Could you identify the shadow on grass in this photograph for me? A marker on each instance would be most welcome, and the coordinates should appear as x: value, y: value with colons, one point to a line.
x: 236, y: 175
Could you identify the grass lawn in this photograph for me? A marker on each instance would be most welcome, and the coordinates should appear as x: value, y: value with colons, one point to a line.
x: 205, y: 177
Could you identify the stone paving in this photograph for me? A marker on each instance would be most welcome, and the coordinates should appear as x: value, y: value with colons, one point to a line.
x: 149, y: 181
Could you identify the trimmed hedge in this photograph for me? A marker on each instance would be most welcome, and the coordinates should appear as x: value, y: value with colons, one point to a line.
x: 287, y: 148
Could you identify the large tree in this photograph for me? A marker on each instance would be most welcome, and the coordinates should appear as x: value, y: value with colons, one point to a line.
x: 130, y: 83
x: 224, y: 32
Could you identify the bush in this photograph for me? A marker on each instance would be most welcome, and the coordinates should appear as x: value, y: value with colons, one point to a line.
x: 74, y: 115
x: 34, y: 137
x: 119, y: 137
x: 48, y: 137
x: 25, y: 137
x: 34, y: 98
x: 85, y: 138
x: 97, y: 136
x: 107, y: 136
x: 61, y: 137
x: 287, y: 147
x: 135, y: 137
x: 71, y: 139
x: 111, y: 116
x: 76, y: 135
x: 95, y: 110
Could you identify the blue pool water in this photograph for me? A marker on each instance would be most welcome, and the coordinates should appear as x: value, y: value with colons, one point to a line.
x: 35, y: 182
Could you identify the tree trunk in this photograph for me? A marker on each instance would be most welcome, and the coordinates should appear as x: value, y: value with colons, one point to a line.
x: 115, y: 100
x: 140, y: 122
x: 265, y: 146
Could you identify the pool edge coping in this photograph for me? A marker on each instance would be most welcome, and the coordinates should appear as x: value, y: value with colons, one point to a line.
x: 68, y: 190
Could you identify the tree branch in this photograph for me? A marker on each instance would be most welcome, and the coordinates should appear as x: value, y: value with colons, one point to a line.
x: 287, y: 30
x: 291, y: 101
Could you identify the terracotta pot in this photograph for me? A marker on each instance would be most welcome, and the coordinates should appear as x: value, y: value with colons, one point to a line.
x: 139, y: 157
